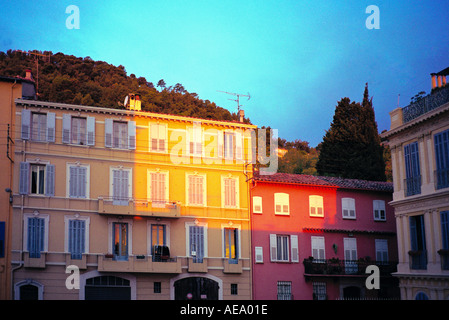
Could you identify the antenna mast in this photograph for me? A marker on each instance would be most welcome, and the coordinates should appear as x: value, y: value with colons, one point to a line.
x: 36, y: 60
x: 238, y: 97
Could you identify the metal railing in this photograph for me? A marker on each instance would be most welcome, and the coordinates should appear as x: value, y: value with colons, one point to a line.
x: 336, y: 266
x: 426, y: 104
x: 412, y: 186
x: 418, y: 259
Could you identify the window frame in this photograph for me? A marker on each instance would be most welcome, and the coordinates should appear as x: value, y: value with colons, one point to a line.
x: 317, y: 202
x: 111, y: 224
x: 111, y: 182
x: 67, y: 220
x: 161, y: 128
x: 158, y: 203
x: 68, y: 180
x: 318, y: 243
x: 233, y: 198
x: 348, y: 205
x: 237, y: 236
x: 282, y: 199
x: 36, y: 214
x: 204, y: 190
x: 379, y: 205
x: 257, y: 201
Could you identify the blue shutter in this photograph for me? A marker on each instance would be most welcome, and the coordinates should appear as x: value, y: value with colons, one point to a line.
x: 413, y: 234
x: 2, y: 239
x: 196, y: 234
x: 26, y: 124
x: 36, y: 232
x: 50, y: 183
x: 445, y: 229
x: 441, y: 141
x: 24, y: 178
x: 51, y: 119
x: 66, y: 128
x: 76, y: 238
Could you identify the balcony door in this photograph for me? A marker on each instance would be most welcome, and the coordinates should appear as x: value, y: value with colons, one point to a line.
x: 120, y: 241
x: 350, y: 247
x: 196, y: 243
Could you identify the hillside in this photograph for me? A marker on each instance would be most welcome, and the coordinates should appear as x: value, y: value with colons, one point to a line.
x: 69, y: 79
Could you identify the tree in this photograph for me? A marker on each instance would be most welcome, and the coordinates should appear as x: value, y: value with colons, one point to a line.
x: 351, y: 148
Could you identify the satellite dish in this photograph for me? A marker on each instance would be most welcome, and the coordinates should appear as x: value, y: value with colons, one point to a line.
x: 126, y: 101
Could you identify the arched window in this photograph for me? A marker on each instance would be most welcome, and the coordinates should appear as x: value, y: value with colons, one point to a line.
x: 421, y: 296
x: 28, y: 290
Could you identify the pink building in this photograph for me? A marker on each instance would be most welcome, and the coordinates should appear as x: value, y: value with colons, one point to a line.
x: 313, y: 237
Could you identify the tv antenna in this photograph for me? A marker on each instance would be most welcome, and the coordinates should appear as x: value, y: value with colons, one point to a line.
x: 37, y: 56
x: 238, y: 95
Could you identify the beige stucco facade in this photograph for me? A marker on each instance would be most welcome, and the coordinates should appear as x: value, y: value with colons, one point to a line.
x: 129, y: 180
x: 420, y: 208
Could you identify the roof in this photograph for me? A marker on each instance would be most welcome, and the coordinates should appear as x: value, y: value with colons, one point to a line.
x: 342, y: 183
x: 443, y: 72
x: 16, y: 79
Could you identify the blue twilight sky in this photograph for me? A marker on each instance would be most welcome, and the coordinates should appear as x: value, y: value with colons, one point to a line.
x: 296, y: 58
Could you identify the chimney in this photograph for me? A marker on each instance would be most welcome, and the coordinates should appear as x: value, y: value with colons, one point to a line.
x: 434, y: 80
x: 241, y: 115
x: 28, y: 74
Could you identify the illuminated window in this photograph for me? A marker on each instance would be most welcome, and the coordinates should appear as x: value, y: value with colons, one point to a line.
x: 195, y: 140
x: 281, y: 203
x: 257, y: 204
x: 158, y: 137
x: 316, y: 206
x: 158, y: 188
x: 231, y: 244
x: 120, y: 241
x: 196, y: 190
x: 348, y: 208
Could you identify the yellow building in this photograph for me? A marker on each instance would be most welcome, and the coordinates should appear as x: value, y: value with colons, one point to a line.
x: 419, y: 143
x: 142, y: 205
x: 10, y: 89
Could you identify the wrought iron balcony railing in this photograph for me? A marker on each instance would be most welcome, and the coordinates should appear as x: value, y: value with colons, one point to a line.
x: 339, y: 267
x: 412, y: 186
x: 426, y: 104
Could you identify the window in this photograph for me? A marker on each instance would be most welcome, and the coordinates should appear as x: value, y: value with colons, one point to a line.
x: 281, y: 203
x: 35, y: 236
x: 158, y: 240
x: 38, y: 126
x: 441, y: 141
x: 78, y: 181
x: 158, y: 188
x: 319, y: 291
x: 196, y: 190
x: 37, y: 179
x: 316, y: 206
x: 234, y: 289
x: 120, y: 188
x: 284, y: 290
x: 318, y: 252
x: 444, y: 215
x: 281, y: 246
x: 259, y: 254
x: 418, y: 243
x: 196, y: 241
x: 231, y: 244
x: 257, y: 204
x: 121, y: 135
x: 230, y: 192
x: 78, y: 130
x: 381, y: 250
x: 348, y: 208
x: 120, y: 241
x: 157, y: 287
x: 379, y: 210
x: 195, y: 140
x: 350, y: 249
x: 2, y: 239
x: 77, y: 238
x: 158, y: 137
x: 233, y: 145
x: 412, y: 171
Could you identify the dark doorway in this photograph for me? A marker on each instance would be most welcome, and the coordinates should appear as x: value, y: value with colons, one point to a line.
x: 107, y: 288
x: 29, y: 292
x: 351, y: 292
x: 196, y: 288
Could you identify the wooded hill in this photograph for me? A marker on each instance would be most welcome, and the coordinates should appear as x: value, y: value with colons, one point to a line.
x: 74, y: 80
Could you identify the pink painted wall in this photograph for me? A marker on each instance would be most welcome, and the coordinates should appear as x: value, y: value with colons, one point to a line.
x: 267, y: 274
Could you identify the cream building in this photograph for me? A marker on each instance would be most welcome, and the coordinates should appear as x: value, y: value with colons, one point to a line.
x: 143, y: 205
x: 419, y: 142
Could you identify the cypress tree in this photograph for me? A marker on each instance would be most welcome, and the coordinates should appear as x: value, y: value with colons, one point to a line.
x: 351, y: 148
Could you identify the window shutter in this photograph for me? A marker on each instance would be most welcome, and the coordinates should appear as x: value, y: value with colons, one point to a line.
x: 108, y: 124
x: 445, y: 229
x: 294, y: 248
x: 50, y: 183
x: 273, y: 247
x: 238, y: 145
x: 24, y: 178
x: 66, y: 128
x: 26, y: 123
x: 132, y: 135
x: 220, y: 137
x: 90, y: 131
x: 51, y: 117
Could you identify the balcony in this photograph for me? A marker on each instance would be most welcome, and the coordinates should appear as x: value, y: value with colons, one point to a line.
x: 426, y: 104
x: 412, y: 186
x: 139, y: 263
x: 441, y: 179
x: 138, y: 207
x: 418, y: 259
x: 337, y: 267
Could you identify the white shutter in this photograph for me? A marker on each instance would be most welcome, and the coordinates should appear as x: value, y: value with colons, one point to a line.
x: 273, y: 247
x: 163, y: 141
x: 51, y: 119
x: 259, y: 254
x: 90, y: 131
x: 132, y: 135
x: 26, y: 124
x: 220, y: 137
x: 294, y: 248
x: 108, y: 127
x: 66, y: 128
x: 238, y: 145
